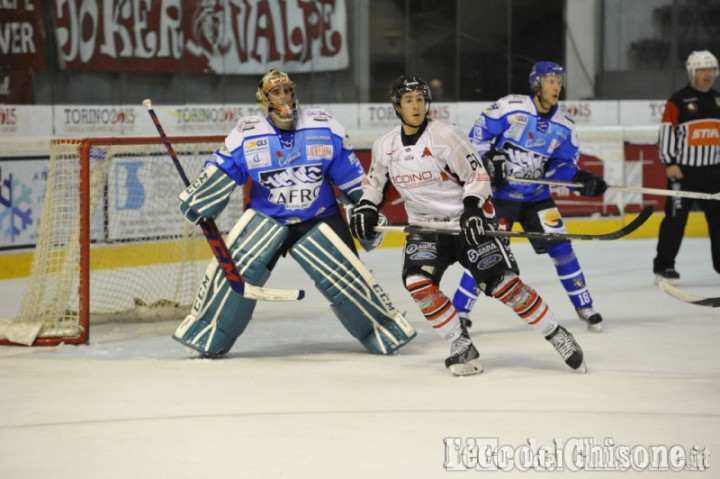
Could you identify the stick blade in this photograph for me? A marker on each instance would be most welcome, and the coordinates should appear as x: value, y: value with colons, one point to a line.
x: 269, y: 294
x: 687, y: 297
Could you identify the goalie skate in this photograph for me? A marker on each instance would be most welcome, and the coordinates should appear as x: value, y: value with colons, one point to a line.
x: 463, y: 360
x: 565, y: 344
x: 592, y: 318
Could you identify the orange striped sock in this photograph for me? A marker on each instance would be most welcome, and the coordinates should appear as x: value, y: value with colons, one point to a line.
x: 435, y: 306
x: 527, y: 303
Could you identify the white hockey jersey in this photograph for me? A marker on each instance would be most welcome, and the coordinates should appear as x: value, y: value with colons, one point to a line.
x: 432, y: 176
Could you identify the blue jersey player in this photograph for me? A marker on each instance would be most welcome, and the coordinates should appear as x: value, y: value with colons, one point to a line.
x: 527, y: 136
x: 292, y: 158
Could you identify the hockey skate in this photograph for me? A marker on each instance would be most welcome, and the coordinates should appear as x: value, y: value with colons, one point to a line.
x: 592, y: 318
x: 463, y: 360
x: 667, y: 275
x: 569, y: 350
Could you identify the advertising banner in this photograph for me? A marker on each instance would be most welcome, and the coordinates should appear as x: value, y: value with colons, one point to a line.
x: 22, y: 189
x: 25, y: 120
x: 142, y: 202
x: 641, y: 112
x: 591, y: 112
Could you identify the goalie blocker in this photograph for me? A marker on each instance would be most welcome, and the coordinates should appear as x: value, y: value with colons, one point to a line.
x: 219, y: 316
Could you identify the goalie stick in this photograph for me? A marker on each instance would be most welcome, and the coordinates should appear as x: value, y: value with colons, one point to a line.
x: 630, y: 189
x: 624, y: 231
x: 687, y: 297
x: 217, y: 243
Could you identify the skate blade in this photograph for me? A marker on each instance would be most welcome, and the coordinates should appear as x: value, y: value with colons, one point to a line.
x: 595, y: 328
x: 467, y: 369
x: 582, y: 369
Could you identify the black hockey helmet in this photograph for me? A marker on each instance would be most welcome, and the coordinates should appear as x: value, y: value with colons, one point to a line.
x: 407, y: 84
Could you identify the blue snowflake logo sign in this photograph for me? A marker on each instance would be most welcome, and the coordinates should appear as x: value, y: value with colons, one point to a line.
x: 15, y: 213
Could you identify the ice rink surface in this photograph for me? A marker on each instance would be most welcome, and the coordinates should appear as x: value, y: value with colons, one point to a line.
x: 298, y: 397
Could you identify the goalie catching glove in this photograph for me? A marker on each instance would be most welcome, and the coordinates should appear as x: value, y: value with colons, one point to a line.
x: 592, y: 185
x: 364, y: 219
x: 474, y: 222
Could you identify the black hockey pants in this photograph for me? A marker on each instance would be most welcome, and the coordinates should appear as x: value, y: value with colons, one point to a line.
x: 672, y: 228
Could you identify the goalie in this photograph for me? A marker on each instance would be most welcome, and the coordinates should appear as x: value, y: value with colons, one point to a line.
x: 292, y: 157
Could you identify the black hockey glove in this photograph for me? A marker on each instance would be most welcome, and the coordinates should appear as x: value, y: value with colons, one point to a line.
x: 364, y: 219
x: 473, y: 222
x: 494, y: 163
x: 592, y: 185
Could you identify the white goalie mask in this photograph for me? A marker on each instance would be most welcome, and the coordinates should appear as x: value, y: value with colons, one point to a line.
x: 280, y: 108
x: 700, y: 59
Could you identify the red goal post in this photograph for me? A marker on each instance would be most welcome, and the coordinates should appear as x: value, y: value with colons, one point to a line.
x: 112, y: 243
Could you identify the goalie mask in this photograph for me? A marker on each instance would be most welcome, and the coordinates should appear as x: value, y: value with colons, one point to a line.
x: 541, y: 70
x: 276, y: 95
x: 700, y: 59
x: 407, y: 84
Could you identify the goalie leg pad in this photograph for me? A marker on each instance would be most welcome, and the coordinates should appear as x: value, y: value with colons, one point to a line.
x: 219, y: 315
x: 356, y: 298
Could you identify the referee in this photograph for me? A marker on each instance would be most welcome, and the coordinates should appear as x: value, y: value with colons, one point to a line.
x: 690, y: 151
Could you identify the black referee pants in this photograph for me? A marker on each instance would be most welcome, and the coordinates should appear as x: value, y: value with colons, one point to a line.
x: 705, y: 179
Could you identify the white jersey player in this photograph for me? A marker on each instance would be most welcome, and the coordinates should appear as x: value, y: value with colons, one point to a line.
x: 444, y: 185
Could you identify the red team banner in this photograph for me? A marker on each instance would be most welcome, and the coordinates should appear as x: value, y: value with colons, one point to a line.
x: 22, y: 36
x: 222, y: 36
x: 22, y: 48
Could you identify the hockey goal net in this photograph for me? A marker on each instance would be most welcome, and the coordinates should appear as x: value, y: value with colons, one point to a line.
x: 112, y: 244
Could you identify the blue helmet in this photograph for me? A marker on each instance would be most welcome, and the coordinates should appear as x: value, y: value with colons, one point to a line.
x: 543, y: 69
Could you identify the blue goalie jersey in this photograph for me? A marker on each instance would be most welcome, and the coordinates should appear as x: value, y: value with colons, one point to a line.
x: 536, y: 146
x: 292, y: 173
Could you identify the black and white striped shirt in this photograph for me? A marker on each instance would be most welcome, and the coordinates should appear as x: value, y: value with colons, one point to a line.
x: 690, y: 129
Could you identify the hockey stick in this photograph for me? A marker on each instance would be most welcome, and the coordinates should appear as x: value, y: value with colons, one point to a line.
x: 687, y: 297
x: 217, y: 243
x: 624, y: 231
x: 630, y: 189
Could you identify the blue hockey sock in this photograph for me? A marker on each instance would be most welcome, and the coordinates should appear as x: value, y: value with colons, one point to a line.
x: 570, y: 274
x: 466, y: 294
